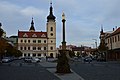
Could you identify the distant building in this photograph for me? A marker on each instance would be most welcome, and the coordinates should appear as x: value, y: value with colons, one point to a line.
x: 13, y: 40
x: 82, y: 51
x: 112, y: 41
x: 37, y: 43
x: 68, y: 47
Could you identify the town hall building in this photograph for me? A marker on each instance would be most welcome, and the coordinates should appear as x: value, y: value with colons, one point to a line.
x: 39, y: 44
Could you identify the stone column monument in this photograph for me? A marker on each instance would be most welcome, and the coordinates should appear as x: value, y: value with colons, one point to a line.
x: 62, y: 64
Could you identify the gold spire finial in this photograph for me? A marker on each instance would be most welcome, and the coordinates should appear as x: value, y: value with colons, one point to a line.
x: 63, y: 15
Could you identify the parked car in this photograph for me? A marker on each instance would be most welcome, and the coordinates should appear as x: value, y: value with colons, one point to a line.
x: 51, y: 59
x: 35, y: 60
x: 28, y: 59
x: 101, y: 59
x: 88, y: 59
x: 6, y: 59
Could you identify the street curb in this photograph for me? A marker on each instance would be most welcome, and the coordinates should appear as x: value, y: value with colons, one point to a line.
x: 70, y: 76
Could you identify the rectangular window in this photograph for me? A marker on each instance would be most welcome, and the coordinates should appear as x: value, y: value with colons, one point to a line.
x: 34, y: 55
x: 34, y: 48
x: 118, y: 38
x: 28, y: 48
x: 44, y: 48
x: 44, y: 41
x: 115, y: 39
x: 28, y: 54
x: 24, y: 55
x: 21, y: 41
x: 39, y: 54
x: 39, y: 41
x: 25, y: 41
x: 28, y: 41
x: 34, y: 41
x: 24, y: 48
x: 39, y: 48
x: 21, y: 48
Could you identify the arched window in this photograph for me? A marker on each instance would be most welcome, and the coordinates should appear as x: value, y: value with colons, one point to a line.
x: 51, y: 48
x: 51, y: 55
x: 51, y: 29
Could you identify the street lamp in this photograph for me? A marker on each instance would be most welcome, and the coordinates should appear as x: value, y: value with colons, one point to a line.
x: 95, y: 42
x: 92, y: 45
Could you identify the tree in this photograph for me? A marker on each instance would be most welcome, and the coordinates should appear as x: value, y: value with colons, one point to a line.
x: 103, y: 50
x: 102, y: 46
x: 2, y: 45
x: 71, y: 53
x: 7, y: 49
x: 1, y: 32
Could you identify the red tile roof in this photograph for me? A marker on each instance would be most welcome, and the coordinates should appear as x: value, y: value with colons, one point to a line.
x: 116, y: 31
x: 28, y: 34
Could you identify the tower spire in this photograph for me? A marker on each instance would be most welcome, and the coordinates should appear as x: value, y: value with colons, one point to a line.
x: 32, y: 29
x: 51, y: 16
x: 101, y: 29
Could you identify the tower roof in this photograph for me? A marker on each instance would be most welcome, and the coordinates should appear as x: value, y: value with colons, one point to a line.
x: 32, y: 29
x: 51, y: 16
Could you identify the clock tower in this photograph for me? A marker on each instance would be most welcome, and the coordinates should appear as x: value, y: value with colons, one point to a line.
x: 51, y: 33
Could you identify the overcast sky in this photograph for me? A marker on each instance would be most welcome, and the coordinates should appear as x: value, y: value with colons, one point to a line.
x: 83, y: 17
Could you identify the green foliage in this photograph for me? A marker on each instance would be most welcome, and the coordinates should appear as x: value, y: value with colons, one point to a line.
x: 78, y: 54
x: 102, y: 47
x: 1, y: 32
x: 7, y: 49
x: 71, y: 53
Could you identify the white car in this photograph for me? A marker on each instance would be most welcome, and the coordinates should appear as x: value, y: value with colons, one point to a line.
x: 35, y: 60
x: 6, y: 59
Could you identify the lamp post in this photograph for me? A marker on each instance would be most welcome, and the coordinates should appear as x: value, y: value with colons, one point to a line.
x: 63, y: 42
x: 95, y: 42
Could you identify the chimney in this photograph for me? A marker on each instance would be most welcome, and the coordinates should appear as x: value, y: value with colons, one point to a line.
x: 113, y: 29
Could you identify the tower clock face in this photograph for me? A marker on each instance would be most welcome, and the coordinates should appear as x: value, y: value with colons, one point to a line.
x: 51, y: 34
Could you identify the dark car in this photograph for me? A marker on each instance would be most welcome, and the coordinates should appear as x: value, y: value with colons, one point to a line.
x: 28, y: 59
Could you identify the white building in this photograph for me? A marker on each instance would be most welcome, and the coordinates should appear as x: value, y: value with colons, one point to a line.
x: 39, y: 44
x: 112, y: 41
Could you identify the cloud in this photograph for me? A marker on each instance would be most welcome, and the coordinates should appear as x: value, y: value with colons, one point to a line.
x: 83, y: 17
x: 28, y: 11
x: 18, y: 17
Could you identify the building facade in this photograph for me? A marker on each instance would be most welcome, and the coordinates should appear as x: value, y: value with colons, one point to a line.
x: 112, y: 41
x: 39, y: 44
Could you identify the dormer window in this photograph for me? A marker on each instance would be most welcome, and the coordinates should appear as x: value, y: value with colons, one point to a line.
x: 34, y: 35
x: 43, y: 35
x: 25, y: 35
